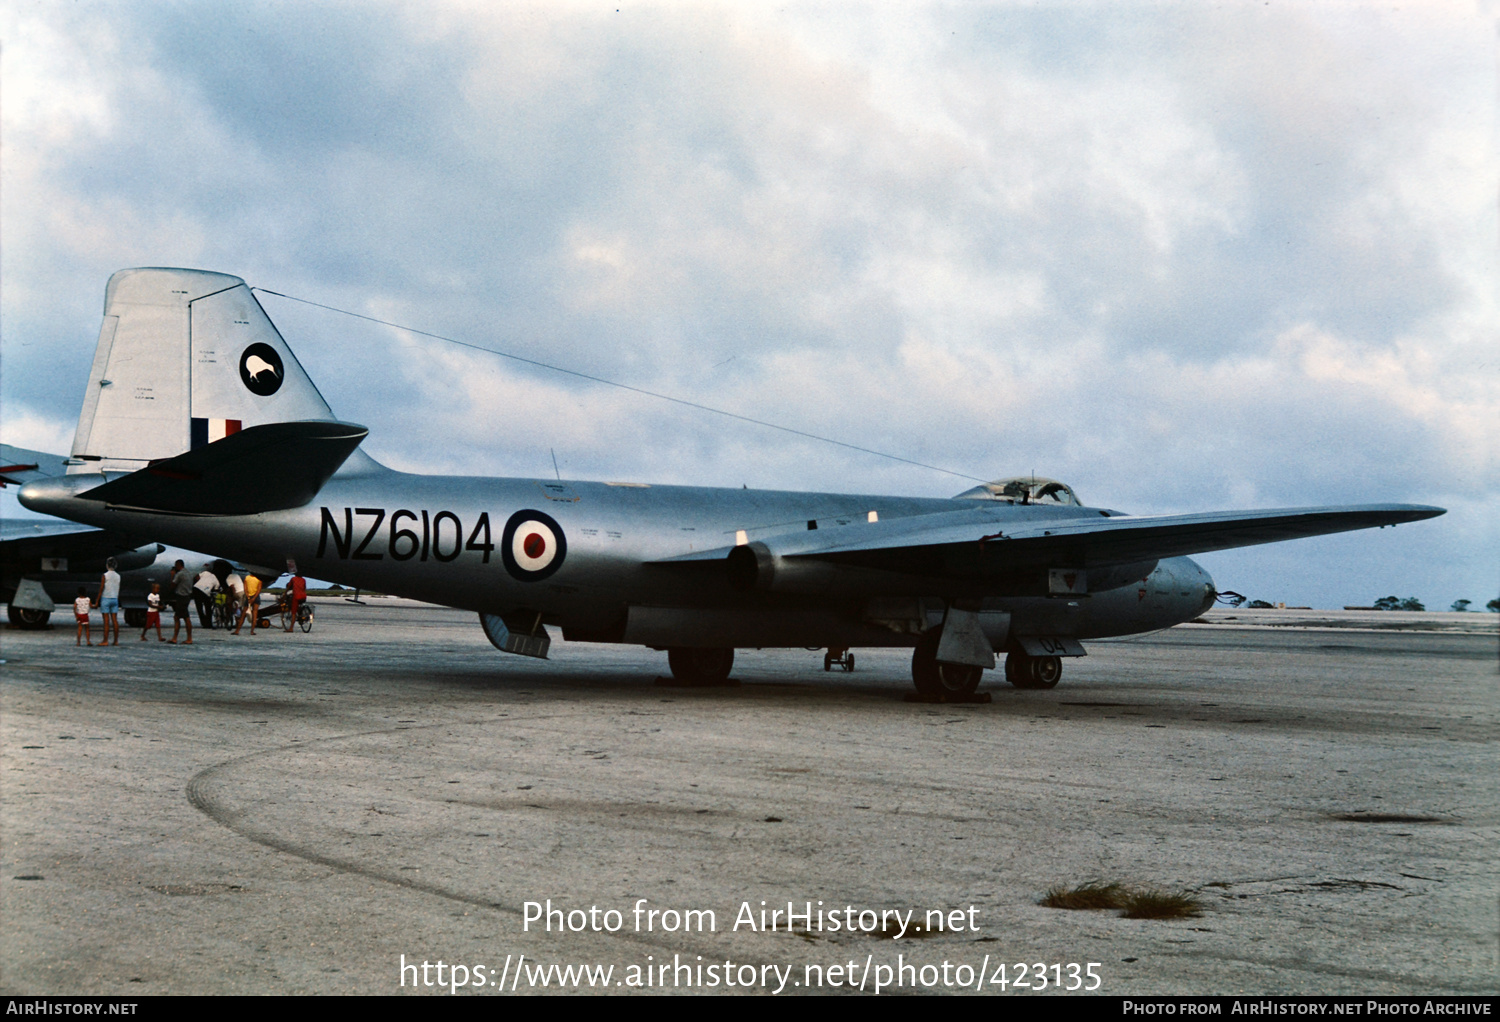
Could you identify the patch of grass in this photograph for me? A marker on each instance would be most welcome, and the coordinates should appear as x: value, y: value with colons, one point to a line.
x: 1366, y: 817
x: 1086, y: 897
x: 1136, y: 903
x: 1161, y: 905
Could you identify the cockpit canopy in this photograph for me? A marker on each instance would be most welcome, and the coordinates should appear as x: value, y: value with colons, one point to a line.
x: 1024, y: 490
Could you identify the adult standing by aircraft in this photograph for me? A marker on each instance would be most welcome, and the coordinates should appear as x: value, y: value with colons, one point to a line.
x: 236, y: 586
x: 109, y: 601
x: 296, y: 595
x: 203, y: 595
x: 243, y: 454
x: 180, y: 589
x: 251, y: 604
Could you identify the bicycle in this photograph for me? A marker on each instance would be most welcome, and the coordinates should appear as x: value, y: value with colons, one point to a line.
x: 304, y: 615
x: 223, y: 615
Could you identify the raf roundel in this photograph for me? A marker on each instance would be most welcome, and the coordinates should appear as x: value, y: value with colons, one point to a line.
x: 532, y: 546
x: 261, y: 369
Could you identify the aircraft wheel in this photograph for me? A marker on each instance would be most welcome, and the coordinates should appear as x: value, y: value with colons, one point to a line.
x: 959, y: 679
x: 827, y: 661
x: 1025, y: 671
x: 698, y: 666
x: 1046, y: 671
x: 24, y: 617
x: 1020, y: 670
x: 924, y: 667
x: 935, y: 679
x: 135, y: 617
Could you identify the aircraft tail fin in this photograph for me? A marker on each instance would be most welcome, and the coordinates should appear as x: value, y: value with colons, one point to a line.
x: 263, y: 468
x: 185, y: 358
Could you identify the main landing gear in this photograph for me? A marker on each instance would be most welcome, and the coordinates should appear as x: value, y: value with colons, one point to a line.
x: 698, y: 666
x: 959, y: 681
x: 26, y: 617
x: 940, y: 680
x: 1026, y: 671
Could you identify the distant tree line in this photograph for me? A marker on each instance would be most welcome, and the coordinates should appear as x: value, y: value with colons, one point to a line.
x: 1384, y: 603
x: 1412, y: 603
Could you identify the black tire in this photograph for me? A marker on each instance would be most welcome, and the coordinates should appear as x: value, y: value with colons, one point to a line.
x: 1046, y: 671
x: 305, y: 618
x: 827, y: 661
x: 1036, y: 672
x: 849, y: 662
x: 698, y: 666
x: 135, y: 617
x: 924, y: 665
x: 959, y: 679
x: 24, y: 617
x: 936, y: 679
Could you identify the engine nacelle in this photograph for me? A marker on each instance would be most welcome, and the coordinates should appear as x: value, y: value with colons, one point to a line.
x: 756, y: 567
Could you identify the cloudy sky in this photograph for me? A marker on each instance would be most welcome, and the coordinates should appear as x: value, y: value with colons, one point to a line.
x: 1182, y: 257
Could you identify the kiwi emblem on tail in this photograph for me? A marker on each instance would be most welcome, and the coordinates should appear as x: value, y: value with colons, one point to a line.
x: 261, y: 369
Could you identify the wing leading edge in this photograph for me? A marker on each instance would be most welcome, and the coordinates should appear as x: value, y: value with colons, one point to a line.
x: 1101, y: 542
x: 978, y: 542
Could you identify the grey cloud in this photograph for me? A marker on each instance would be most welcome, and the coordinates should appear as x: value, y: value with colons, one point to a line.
x: 994, y: 238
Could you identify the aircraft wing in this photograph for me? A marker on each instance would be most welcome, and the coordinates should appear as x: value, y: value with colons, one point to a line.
x: 1098, y: 542
x: 982, y: 541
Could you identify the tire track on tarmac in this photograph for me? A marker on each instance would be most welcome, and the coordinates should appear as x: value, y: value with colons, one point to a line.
x: 202, y: 793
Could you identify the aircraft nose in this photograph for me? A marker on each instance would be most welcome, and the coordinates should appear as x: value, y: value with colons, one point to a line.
x: 1206, y: 582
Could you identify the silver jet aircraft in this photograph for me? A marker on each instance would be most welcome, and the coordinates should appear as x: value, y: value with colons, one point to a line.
x: 199, y: 426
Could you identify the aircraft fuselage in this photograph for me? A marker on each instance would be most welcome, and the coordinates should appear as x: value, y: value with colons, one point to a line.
x: 608, y: 566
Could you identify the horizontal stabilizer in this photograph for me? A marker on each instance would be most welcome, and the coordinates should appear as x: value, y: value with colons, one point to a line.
x: 19, y: 465
x: 263, y: 468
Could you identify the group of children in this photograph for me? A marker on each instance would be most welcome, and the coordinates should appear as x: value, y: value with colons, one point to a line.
x: 246, y: 594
